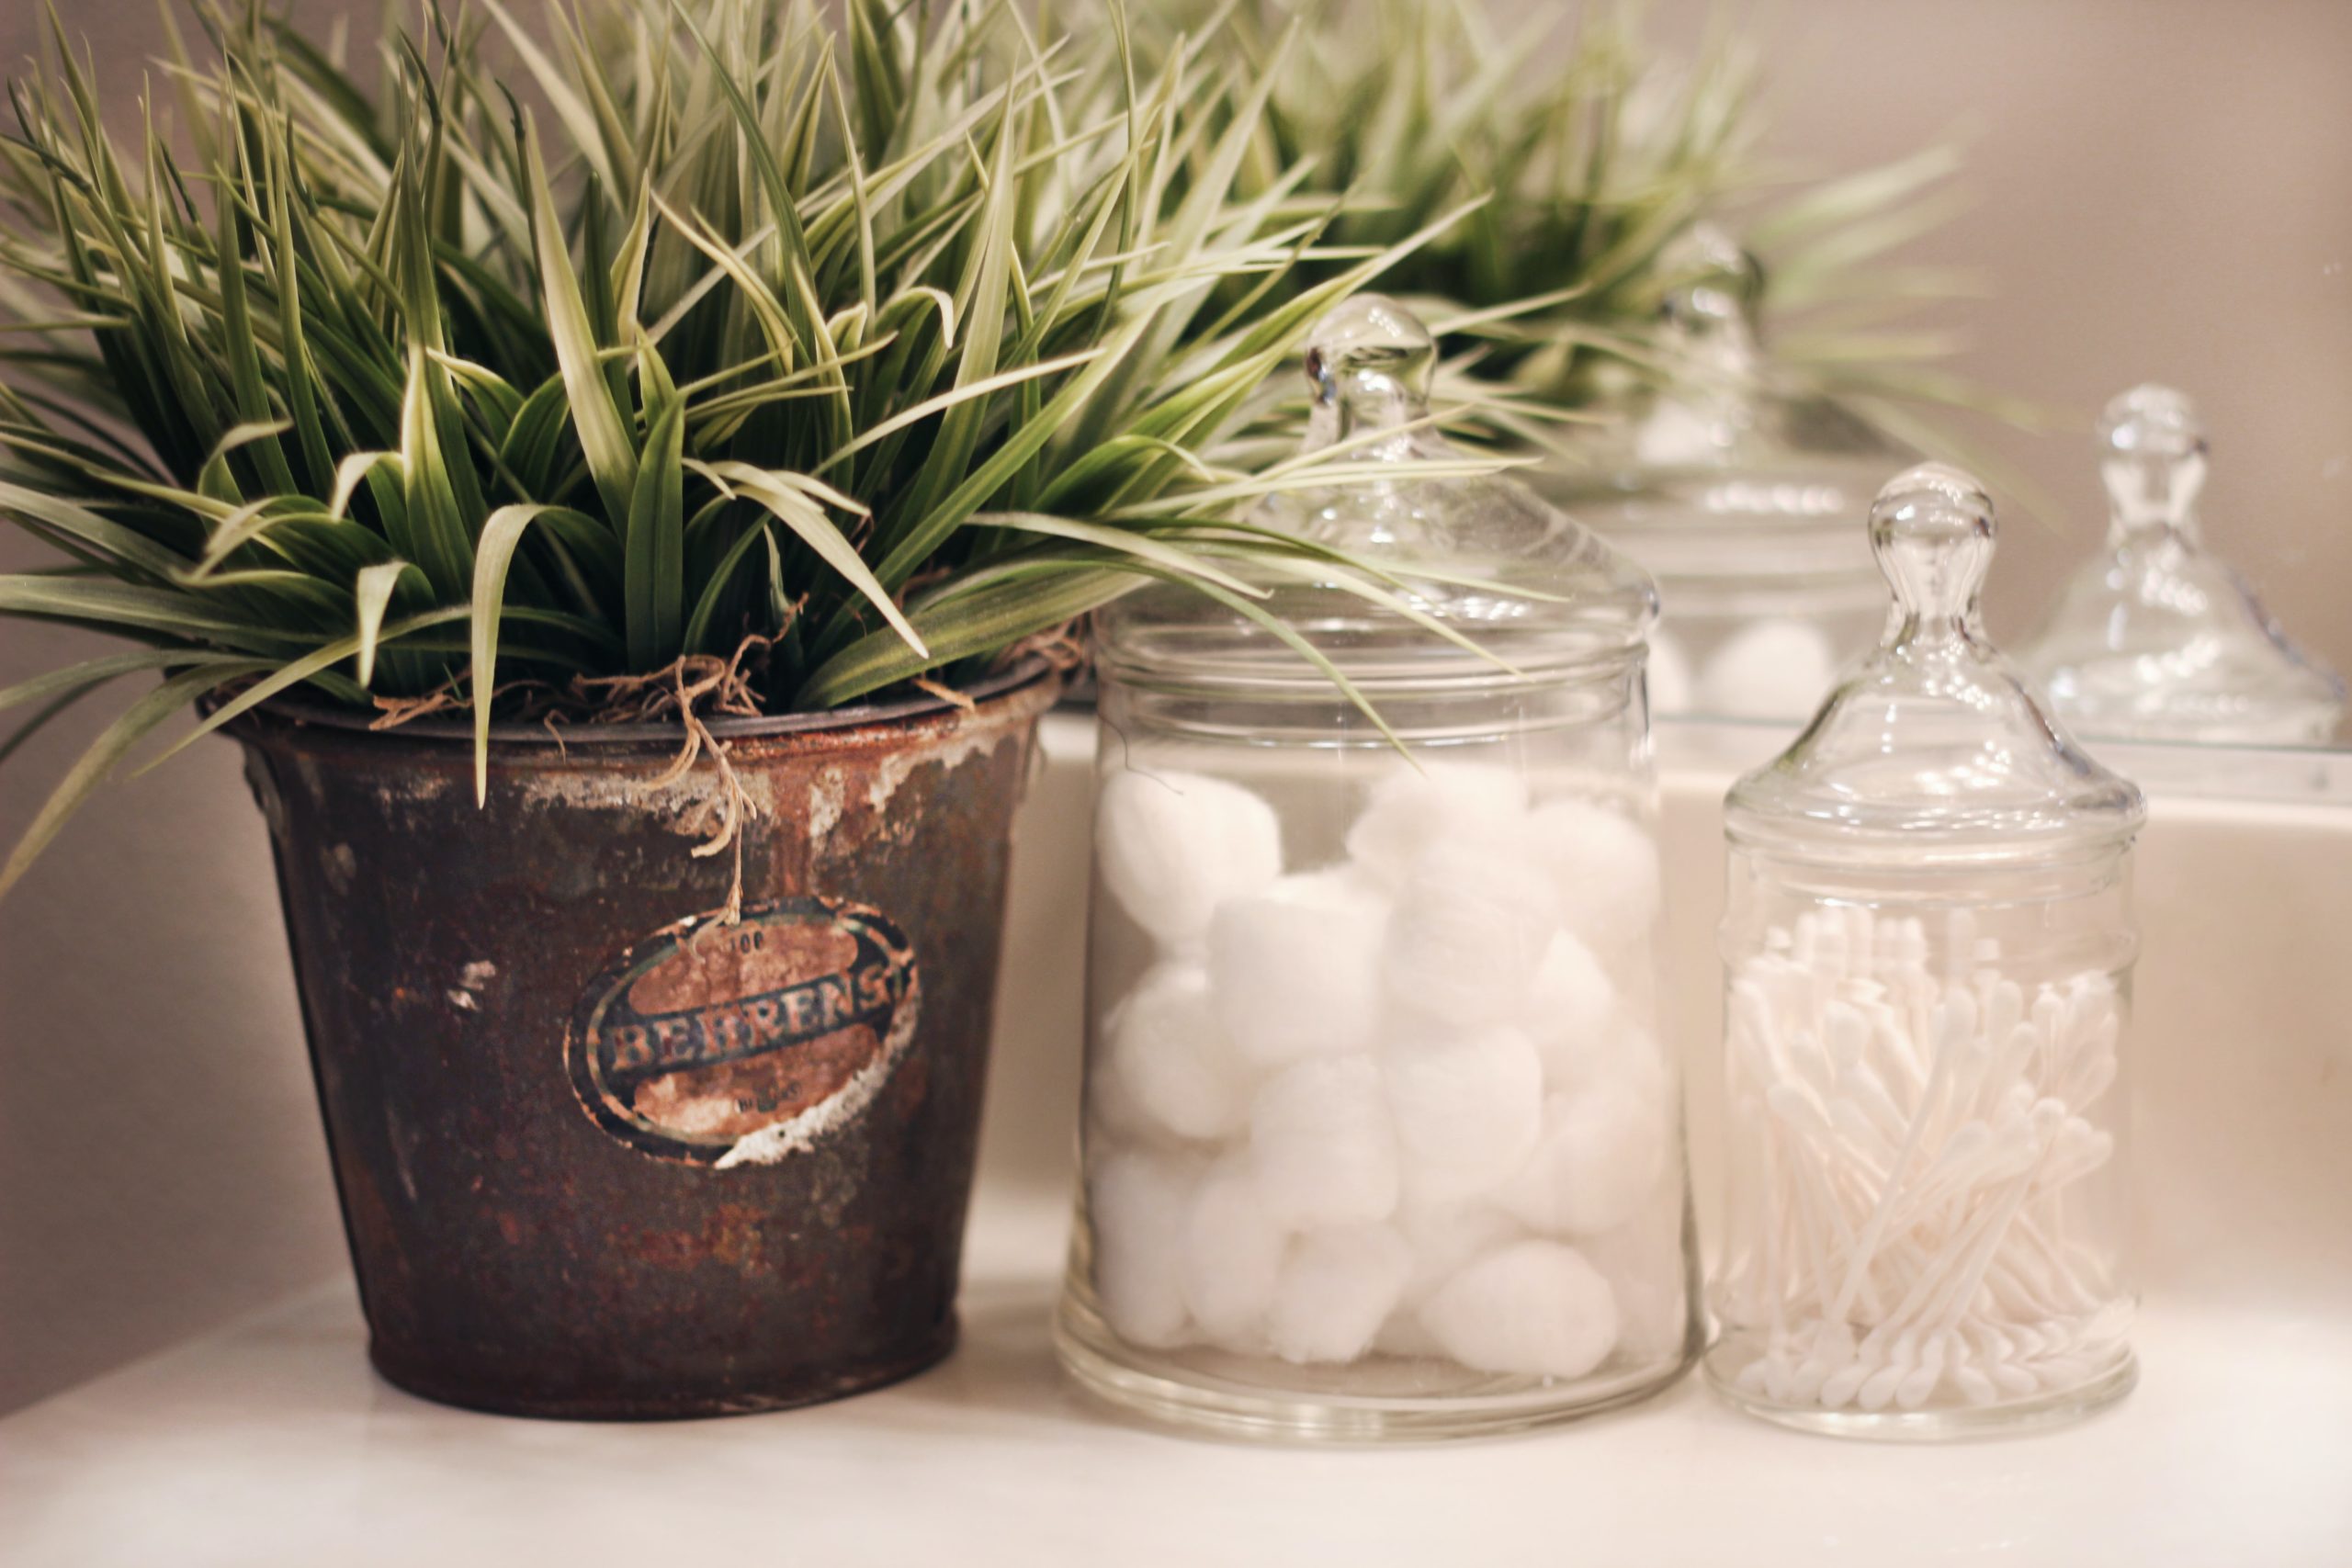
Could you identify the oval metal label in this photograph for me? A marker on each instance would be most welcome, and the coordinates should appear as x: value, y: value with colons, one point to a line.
x: 729, y: 1045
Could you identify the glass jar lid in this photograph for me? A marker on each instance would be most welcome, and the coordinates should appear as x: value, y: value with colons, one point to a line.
x: 1722, y: 468
x: 2157, y: 639
x: 1479, y: 580
x: 1933, y: 751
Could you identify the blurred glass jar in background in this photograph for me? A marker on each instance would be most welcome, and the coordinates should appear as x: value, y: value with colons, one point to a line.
x: 1928, y: 947
x: 1738, y: 495
x: 2155, y: 638
x: 1379, y: 1136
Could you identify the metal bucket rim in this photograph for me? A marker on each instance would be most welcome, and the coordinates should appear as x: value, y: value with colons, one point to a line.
x: 297, y: 711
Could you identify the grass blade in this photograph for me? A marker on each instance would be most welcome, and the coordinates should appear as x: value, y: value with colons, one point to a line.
x: 603, y: 436
x: 372, y: 594
x: 777, y: 492
x: 97, y: 764
x: 655, y: 566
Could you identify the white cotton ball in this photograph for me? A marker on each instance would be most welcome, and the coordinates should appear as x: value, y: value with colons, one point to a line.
x: 1338, y: 1286
x: 1233, y: 1257
x: 1604, y: 873
x: 1577, y: 1019
x: 1321, y: 1144
x: 1173, y: 845
x: 1535, y: 1308
x: 1137, y: 1205
x: 1165, y: 1062
x: 1471, y: 924
x: 1637, y: 1065
x: 1669, y: 676
x: 1775, y: 668
x: 1635, y: 973
x: 1295, y: 969
x: 1112, y: 1113
x: 1601, y: 1153
x: 1649, y: 1278
x: 1444, y: 1237
x: 1413, y: 805
x: 1571, y: 1008
x: 1469, y: 1108
x: 1676, y: 434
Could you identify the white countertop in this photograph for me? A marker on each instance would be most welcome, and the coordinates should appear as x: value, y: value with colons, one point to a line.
x: 272, y: 1443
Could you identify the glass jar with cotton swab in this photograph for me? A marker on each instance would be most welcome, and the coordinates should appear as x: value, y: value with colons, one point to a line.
x: 1380, y: 1139
x: 1929, y: 944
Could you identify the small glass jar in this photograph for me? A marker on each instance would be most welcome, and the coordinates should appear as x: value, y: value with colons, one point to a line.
x: 1928, y: 947
x: 1736, y: 493
x: 2156, y: 638
x: 1380, y: 1139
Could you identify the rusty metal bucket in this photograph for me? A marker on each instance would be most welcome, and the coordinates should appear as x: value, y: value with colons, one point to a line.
x: 600, y: 1154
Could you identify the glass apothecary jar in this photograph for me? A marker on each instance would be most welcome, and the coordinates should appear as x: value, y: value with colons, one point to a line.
x: 1738, y: 493
x: 2156, y: 638
x: 1929, y: 944
x: 1379, y: 1138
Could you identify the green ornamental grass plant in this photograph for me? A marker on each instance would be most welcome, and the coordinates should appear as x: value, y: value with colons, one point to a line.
x: 1591, y: 155
x: 831, y: 347
x: 539, y: 361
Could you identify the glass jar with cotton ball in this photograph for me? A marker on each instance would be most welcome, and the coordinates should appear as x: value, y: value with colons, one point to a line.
x: 1928, y: 947
x: 1380, y: 1139
x: 1735, y: 491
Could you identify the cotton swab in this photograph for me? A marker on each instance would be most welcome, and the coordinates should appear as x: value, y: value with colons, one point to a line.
x: 1915, y: 1123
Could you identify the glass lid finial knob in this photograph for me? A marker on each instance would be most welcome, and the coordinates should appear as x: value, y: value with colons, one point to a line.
x: 1370, y: 365
x: 1718, y: 284
x: 2151, y: 456
x: 1931, y: 529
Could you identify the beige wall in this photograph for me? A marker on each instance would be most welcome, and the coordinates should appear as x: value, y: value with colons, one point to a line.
x: 161, y: 1167
x: 2165, y: 192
